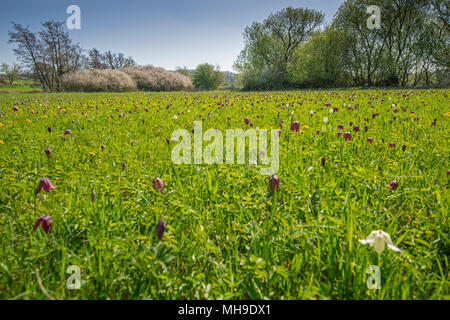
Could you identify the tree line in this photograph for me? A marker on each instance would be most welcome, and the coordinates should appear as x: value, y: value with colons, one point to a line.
x: 50, y: 54
x: 294, y: 49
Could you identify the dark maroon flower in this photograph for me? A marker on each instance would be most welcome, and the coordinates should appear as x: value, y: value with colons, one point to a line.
x: 370, y: 140
x: 45, y: 184
x: 45, y: 221
x: 403, y: 148
x: 228, y: 119
x: 15, y: 109
x: 160, y: 228
x: 246, y: 120
x: 339, y: 133
x: 434, y: 122
x: 393, y: 184
x: 448, y: 172
x: 323, y: 160
x: 49, y: 129
x: 347, y: 136
x: 395, y: 110
x: 356, y: 128
x: 48, y: 151
x: 274, y: 183
x: 416, y: 119
x: 392, y: 145
x: 341, y: 126
x: 168, y: 140
x: 317, y: 131
x: 335, y: 109
x: 103, y: 147
x: 295, y: 126
x: 351, y: 123
x: 158, y: 184
x: 67, y: 132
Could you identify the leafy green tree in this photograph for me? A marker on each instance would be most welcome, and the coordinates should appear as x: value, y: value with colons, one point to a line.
x: 12, y: 72
x: 270, y: 45
x: 319, y: 61
x: 207, y: 77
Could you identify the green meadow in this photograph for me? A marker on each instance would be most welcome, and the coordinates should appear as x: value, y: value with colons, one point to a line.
x: 228, y: 235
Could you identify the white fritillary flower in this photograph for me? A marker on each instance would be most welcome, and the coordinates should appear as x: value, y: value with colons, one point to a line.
x: 175, y: 117
x: 378, y: 240
x: 325, y: 119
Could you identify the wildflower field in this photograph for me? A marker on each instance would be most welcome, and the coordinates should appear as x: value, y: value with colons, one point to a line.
x: 87, y: 180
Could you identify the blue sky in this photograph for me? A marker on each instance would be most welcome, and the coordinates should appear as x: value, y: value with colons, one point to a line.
x: 164, y: 33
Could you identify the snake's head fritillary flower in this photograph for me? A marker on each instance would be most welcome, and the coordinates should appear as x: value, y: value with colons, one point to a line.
x: 403, y: 148
x: 103, y: 147
x: 392, y: 145
x: 45, y: 184
x: 160, y: 228
x: 323, y: 160
x: 393, y: 184
x: 341, y: 126
x: 366, y: 128
x: 15, y: 109
x: 356, y: 128
x: 45, y: 221
x: 448, y: 172
x: 246, y: 120
x: 347, y: 136
x: 168, y: 140
x: 274, y: 183
x: 49, y: 129
x: 378, y: 239
x: 370, y: 140
x: 295, y: 126
x: 48, y: 151
x: 158, y: 184
x: 67, y: 132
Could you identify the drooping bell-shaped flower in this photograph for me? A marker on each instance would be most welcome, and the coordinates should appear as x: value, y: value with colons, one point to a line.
x: 378, y: 239
x: 45, y: 221
x: 347, y: 136
x: 295, y: 126
x: 158, y: 184
x: 274, y: 183
x: 45, y: 184
x: 160, y: 228
x: 393, y: 184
